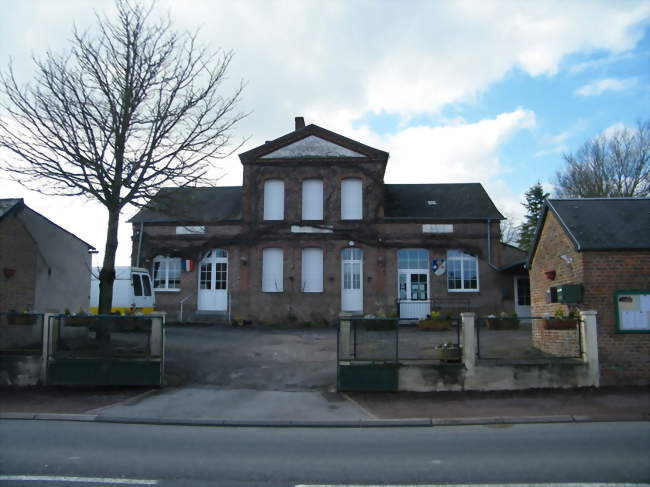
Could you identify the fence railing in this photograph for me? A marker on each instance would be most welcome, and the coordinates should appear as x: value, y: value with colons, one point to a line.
x: 527, y: 338
x: 385, y: 340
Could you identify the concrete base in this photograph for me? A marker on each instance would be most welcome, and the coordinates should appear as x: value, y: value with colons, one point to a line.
x: 493, y: 377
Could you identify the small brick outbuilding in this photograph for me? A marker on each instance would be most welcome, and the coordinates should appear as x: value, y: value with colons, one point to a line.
x: 602, y: 245
x: 43, y: 268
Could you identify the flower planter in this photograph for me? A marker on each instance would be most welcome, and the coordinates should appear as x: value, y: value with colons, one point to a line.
x: 434, y: 325
x: 559, y: 324
x: 22, y: 319
x: 448, y: 354
x: 502, y: 323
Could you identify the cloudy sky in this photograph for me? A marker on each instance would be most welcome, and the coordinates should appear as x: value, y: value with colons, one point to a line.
x: 469, y: 91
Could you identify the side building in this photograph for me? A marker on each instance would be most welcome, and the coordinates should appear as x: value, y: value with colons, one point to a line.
x: 43, y: 267
x: 594, y: 254
x: 314, y: 231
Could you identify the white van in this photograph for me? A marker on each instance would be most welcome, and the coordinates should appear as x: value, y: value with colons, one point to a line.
x: 132, y: 291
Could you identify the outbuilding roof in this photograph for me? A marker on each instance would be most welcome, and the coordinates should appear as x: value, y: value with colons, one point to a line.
x: 193, y: 205
x: 460, y: 201
x: 600, y: 223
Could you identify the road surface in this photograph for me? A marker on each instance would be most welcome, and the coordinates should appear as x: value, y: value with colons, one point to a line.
x: 49, y: 453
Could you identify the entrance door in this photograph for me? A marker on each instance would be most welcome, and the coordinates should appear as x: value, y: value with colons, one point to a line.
x: 352, y: 280
x: 522, y: 296
x: 213, y: 281
x: 413, y: 283
x: 414, y: 294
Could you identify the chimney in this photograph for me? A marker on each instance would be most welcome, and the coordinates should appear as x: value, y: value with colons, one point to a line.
x: 300, y: 123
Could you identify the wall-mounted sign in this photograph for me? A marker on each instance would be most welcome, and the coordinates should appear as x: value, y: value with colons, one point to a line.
x: 438, y: 267
x: 632, y: 311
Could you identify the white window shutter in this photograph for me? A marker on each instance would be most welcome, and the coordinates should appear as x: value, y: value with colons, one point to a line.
x: 272, y: 270
x: 274, y: 199
x: 312, y: 199
x: 312, y: 271
x: 351, y: 199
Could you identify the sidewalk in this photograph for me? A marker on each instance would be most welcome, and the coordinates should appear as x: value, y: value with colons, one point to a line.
x: 285, y: 407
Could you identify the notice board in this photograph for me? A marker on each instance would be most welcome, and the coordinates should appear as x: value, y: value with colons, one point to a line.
x: 632, y: 311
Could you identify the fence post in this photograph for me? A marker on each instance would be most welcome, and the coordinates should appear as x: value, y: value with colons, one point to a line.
x: 589, y: 325
x: 469, y: 339
x: 45, y: 350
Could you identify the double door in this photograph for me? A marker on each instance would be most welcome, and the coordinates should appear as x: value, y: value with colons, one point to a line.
x: 213, y: 281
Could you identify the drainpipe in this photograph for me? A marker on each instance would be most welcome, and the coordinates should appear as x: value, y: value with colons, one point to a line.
x: 489, y: 246
x: 137, y: 259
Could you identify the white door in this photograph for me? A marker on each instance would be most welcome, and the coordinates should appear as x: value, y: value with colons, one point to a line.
x: 352, y: 280
x: 213, y: 281
x: 414, y: 294
x: 522, y: 296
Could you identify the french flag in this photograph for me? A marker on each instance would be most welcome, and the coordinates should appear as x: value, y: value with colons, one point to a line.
x: 188, y: 265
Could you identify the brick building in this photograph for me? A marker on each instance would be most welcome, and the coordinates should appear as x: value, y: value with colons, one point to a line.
x: 43, y: 268
x: 603, y: 245
x: 314, y: 231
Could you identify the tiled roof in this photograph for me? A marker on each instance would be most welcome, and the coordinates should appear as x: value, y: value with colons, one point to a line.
x: 196, y: 205
x: 605, y: 223
x: 462, y: 201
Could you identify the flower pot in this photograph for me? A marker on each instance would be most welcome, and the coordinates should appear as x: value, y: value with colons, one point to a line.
x: 559, y: 324
x: 434, y: 325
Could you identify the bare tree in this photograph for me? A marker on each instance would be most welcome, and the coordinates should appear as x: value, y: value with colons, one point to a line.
x: 509, y: 231
x: 133, y: 107
x: 616, y: 164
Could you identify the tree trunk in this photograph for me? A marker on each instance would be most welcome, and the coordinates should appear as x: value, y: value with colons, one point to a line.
x: 107, y: 274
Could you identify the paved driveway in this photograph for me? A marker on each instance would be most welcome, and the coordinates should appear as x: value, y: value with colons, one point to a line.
x: 251, y: 358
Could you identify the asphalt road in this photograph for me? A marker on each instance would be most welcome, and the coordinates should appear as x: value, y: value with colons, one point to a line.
x: 122, y: 454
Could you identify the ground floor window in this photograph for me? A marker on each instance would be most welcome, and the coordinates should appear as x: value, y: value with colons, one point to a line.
x: 272, y: 270
x: 462, y: 271
x: 166, y: 273
x: 312, y: 270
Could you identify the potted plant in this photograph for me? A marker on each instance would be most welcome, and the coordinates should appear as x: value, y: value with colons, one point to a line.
x: 448, y: 352
x: 504, y: 321
x: 435, y: 322
x: 560, y: 320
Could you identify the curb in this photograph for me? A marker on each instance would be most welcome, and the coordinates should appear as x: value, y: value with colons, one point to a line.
x: 363, y: 423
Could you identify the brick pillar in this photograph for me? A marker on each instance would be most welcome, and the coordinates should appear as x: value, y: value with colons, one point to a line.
x: 468, y: 321
x: 589, y: 332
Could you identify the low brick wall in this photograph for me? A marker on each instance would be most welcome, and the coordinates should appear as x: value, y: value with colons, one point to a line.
x: 561, y: 343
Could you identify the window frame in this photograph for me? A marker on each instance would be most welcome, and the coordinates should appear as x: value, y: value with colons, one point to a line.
x: 269, y: 210
x: 266, y: 264
x: 307, y: 184
x: 165, y: 262
x: 320, y: 287
x: 348, y: 197
x: 463, y: 257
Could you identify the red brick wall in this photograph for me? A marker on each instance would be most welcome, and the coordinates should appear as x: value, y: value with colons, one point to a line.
x: 17, y: 251
x: 624, y: 358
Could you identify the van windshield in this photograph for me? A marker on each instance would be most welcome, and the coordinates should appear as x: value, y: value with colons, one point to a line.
x: 137, y: 285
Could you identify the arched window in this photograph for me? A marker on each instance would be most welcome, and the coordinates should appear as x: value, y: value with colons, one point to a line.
x: 272, y: 270
x: 312, y: 199
x: 351, y: 199
x: 462, y: 271
x: 166, y: 273
x: 274, y: 199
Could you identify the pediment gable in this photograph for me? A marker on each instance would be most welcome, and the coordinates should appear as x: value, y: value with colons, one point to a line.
x: 312, y: 146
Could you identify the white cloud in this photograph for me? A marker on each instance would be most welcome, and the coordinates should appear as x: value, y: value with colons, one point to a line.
x: 606, y: 84
x: 335, y: 62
